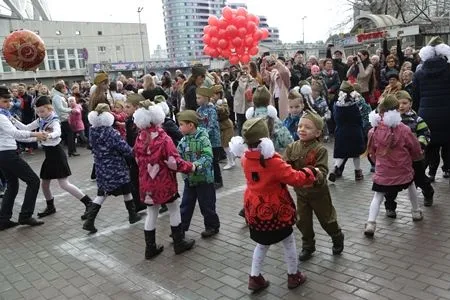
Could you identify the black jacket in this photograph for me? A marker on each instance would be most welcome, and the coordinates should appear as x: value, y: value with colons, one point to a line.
x: 151, y: 94
x: 172, y: 130
x: 190, y: 97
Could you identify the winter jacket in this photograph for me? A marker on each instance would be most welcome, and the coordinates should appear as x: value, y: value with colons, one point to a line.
x: 15, y: 107
x: 210, y: 121
x: 28, y: 114
x: 196, y: 148
x: 172, y: 130
x: 384, y: 81
x: 243, y: 84
x: 291, y: 123
x: 131, y: 131
x: 60, y: 106
x: 278, y: 76
x: 76, y: 120
x: 332, y: 81
x: 431, y: 93
x: 364, y: 76
x: 120, y: 118
x: 190, y: 97
x: 151, y: 94
x: 225, y: 124
x: 157, y: 183
x: 394, y: 148
x: 418, y: 127
x: 321, y: 107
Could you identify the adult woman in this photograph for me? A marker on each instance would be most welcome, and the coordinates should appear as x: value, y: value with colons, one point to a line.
x: 255, y: 73
x: 14, y: 167
x: 363, y: 70
x: 113, y: 95
x: 166, y: 83
x: 151, y: 89
x: 407, y: 66
x: 195, y: 81
x: 243, y: 91
x: 332, y: 81
x: 391, y: 65
x: 99, y: 94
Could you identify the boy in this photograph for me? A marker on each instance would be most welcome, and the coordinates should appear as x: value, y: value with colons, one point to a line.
x: 321, y: 107
x: 196, y: 148
x: 309, y: 152
x: 420, y: 129
x: 295, y: 109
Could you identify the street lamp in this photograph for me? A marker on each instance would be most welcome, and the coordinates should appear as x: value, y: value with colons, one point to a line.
x: 303, y: 25
x: 139, y: 10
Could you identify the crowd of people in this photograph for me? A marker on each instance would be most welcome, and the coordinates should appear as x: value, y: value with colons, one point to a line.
x: 274, y: 113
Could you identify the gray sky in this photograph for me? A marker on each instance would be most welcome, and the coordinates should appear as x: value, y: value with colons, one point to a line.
x: 321, y: 15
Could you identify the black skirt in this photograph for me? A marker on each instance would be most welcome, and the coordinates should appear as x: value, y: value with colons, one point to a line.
x: 55, y: 165
x: 270, y: 237
x: 389, y: 189
x: 124, y: 189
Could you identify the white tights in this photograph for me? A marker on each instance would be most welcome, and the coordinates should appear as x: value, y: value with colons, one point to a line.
x: 378, y: 199
x: 63, y: 184
x: 290, y: 256
x: 356, y: 162
x: 152, y: 215
x: 100, y: 199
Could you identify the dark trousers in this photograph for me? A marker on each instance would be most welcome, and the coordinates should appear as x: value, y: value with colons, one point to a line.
x: 206, y: 195
x: 68, y: 136
x: 433, y: 157
x: 134, y: 177
x: 276, y: 102
x: 15, y: 168
x: 217, y: 151
x: 240, y: 120
x: 420, y: 179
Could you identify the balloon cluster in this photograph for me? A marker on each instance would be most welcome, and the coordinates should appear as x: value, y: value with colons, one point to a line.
x: 23, y: 50
x: 235, y: 36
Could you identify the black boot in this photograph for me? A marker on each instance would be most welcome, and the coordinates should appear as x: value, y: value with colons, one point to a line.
x: 163, y: 209
x: 180, y: 243
x: 338, y: 243
x: 306, y: 254
x: 133, y: 217
x: 49, y: 210
x: 91, y: 215
x: 30, y: 221
x: 87, y: 203
x: 428, y: 194
x: 151, y: 248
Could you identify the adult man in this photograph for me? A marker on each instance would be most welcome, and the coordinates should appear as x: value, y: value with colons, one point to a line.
x: 338, y: 65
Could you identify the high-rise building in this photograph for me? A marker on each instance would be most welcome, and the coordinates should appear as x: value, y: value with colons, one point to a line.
x: 184, y: 21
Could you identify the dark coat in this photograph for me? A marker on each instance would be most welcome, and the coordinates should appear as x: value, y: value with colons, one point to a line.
x: 432, y: 97
x: 190, y: 97
x: 171, y: 128
x: 151, y: 94
x: 349, y: 134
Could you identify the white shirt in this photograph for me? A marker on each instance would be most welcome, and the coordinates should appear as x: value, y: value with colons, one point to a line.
x: 53, y: 130
x: 9, y: 134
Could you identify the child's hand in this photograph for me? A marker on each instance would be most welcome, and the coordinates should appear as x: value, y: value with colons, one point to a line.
x: 193, y: 168
x: 171, y: 163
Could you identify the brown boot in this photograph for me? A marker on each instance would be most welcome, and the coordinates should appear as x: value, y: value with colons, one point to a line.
x: 257, y: 283
x: 295, y: 280
x: 359, y: 175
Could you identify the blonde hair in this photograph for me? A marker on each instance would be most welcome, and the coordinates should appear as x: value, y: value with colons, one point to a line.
x: 72, y: 98
x: 119, y: 103
x: 295, y: 95
x: 149, y: 82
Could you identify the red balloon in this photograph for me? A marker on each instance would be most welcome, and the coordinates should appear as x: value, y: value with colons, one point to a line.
x: 237, y: 42
x: 240, y: 21
x: 213, y: 31
x: 213, y: 21
x: 241, y: 11
x: 206, y: 29
x: 253, y: 51
x: 226, y: 53
x: 232, y: 31
x: 251, y: 27
x: 252, y: 18
x: 242, y: 32
x: 257, y: 20
x: 23, y: 50
x: 214, y: 42
x: 257, y: 36
x: 240, y: 50
x: 223, y: 44
x: 206, y: 39
x: 265, y: 33
x: 249, y: 41
x: 245, y: 59
x: 222, y: 33
x: 214, y: 53
x: 227, y: 13
x: 207, y: 50
x: 234, y: 59
x: 223, y: 23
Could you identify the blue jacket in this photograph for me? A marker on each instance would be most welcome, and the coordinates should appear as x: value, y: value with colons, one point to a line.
x: 210, y: 121
x: 291, y: 123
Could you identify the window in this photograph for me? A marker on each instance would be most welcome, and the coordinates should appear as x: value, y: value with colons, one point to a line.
x: 101, y: 49
x: 72, y: 59
x: 99, y: 32
x: 6, y: 67
x: 62, y: 59
x: 81, y: 60
x: 51, y: 59
x: 77, y: 32
x: 58, y: 32
x: 117, y: 48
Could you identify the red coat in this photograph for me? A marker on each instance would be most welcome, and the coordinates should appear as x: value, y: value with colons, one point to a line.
x: 75, y: 119
x: 268, y: 204
x: 157, y: 183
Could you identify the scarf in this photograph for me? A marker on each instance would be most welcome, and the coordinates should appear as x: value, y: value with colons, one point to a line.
x: 6, y: 113
x: 45, y: 122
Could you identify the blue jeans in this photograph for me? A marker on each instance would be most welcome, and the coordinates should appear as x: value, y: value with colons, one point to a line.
x: 206, y: 195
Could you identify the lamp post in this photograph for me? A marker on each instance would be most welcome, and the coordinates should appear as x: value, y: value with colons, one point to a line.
x: 303, y: 25
x: 139, y: 10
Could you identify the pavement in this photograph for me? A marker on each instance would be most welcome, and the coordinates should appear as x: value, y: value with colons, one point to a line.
x: 405, y: 260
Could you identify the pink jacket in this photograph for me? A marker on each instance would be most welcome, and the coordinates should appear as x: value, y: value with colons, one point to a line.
x: 75, y: 119
x: 394, y: 148
x: 157, y: 183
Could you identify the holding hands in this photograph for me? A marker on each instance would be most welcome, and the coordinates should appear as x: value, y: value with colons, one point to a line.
x: 40, y: 136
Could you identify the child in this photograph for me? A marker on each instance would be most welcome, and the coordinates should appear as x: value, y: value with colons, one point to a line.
x: 394, y: 148
x: 113, y: 177
x: 309, y: 152
x: 209, y: 121
x: 196, y: 148
x: 295, y: 102
x: 321, y: 107
x: 226, y: 125
x: 76, y: 121
x: 269, y: 208
x: 55, y: 165
x: 158, y: 162
x: 119, y: 118
x: 421, y: 131
x: 349, y: 135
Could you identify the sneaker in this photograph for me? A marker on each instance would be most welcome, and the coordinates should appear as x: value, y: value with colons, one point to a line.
x: 359, y: 175
x: 295, y: 280
x: 332, y: 177
x: 369, y: 230
x: 417, y: 215
x: 229, y: 166
x: 306, y: 254
x: 390, y: 213
x: 209, y: 232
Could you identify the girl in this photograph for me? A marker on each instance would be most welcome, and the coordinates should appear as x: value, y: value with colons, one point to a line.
x: 76, y: 120
x: 295, y: 110
x: 120, y: 118
x: 158, y: 161
x: 269, y: 208
x: 393, y: 147
x: 113, y: 177
x: 55, y: 165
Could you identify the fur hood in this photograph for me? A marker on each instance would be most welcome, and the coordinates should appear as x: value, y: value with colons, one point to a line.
x: 441, y: 50
x: 105, y: 119
x: 391, y: 118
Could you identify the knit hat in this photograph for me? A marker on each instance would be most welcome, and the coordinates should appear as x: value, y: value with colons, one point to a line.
x: 261, y: 96
x: 43, y: 100
x: 217, y: 88
x: 392, y: 74
x: 188, y: 116
x: 315, y: 68
x: 315, y: 118
x: 403, y: 95
x: 135, y: 99
x: 435, y: 40
x: 390, y: 102
x: 102, y: 107
x: 102, y: 76
x: 198, y: 70
x: 4, y: 92
x: 204, y: 91
x: 346, y: 87
x: 253, y: 130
